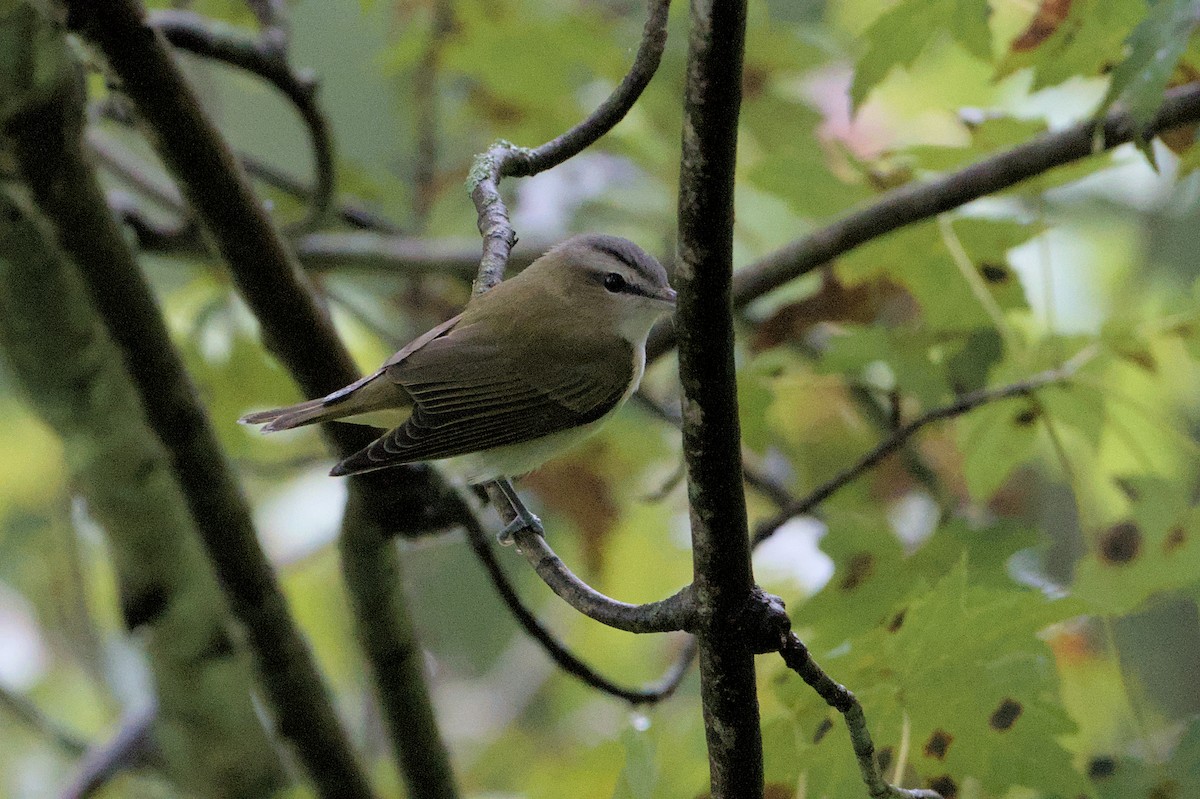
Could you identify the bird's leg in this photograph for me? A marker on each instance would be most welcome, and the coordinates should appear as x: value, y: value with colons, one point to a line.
x: 525, y: 519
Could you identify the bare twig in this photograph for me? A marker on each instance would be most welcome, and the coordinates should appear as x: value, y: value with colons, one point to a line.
x: 272, y: 16
x: 267, y: 58
x: 33, y: 718
x: 920, y: 201
x: 504, y: 159
x: 676, y: 612
x: 565, y: 659
x: 122, y: 752
x: 351, y: 212
x: 427, y: 116
x: 900, y: 435
x: 723, y: 584
x: 796, y: 655
x: 323, y: 252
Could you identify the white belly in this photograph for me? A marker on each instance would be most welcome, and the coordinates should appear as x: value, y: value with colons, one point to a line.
x: 514, y: 460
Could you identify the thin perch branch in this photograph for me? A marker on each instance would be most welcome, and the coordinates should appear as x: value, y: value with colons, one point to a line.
x: 893, y: 442
x: 267, y: 58
x: 675, y: 613
x: 504, y: 159
x: 565, y: 659
x: 796, y: 655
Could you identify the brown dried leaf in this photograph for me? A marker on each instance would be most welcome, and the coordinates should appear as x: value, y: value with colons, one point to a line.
x: 1045, y: 22
x: 572, y: 487
x: 859, y: 304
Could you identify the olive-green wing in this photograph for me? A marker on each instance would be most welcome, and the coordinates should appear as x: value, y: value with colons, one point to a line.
x: 469, y: 396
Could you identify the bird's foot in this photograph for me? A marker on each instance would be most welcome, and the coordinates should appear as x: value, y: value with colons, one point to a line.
x: 524, y: 521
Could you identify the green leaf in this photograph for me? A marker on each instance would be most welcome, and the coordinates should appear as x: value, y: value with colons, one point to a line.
x: 959, y: 668
x: 899, y: 35
x: 995, y: 440
x: 1153, y: 548
x: 785, y: 161
x: 986, y: 138
x: 908, y: 354
x: 919, y: 259
x: 1127, y: 776
x: 1089, y: 39
x: 1155, y: 47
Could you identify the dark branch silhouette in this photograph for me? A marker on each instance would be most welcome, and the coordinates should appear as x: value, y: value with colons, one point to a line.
x: 67, y: 192
x: 566, y: 660
x: 267, y: 58
x: 299, y: 333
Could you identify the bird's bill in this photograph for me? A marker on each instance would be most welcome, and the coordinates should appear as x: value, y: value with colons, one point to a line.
x: 666, y: 296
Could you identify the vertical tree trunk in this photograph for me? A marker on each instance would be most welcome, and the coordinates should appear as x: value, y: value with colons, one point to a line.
x: 711, y: 437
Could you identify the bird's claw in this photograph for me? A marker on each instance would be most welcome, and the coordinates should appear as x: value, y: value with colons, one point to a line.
x: 524, y: 521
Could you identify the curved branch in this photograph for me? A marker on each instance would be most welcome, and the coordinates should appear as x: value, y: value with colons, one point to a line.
x: 796, y: 655
x: 565, y: 659
x: 272, y: 16
x: 675, y: 613
x: 916, y: 202
x: 893, y: 442
x: 32, y: 717
x: 266, y: 58
x: 504, y: 159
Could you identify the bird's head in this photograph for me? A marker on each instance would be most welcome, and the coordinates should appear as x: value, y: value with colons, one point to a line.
x: 610, y: 281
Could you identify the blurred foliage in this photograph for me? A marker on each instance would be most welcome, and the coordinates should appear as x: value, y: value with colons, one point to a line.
x: 1013, y: 596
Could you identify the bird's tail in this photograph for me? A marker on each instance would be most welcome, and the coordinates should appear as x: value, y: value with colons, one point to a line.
x: 292, y: 416
x: 355, y: 400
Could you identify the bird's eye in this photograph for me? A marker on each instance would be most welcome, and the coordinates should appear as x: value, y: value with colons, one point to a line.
x: 614, y: 282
